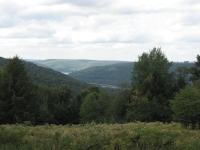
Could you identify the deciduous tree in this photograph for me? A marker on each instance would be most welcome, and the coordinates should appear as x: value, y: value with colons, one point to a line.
x: 186, y: 105
x: 153, y: 81
x: 94, y: 107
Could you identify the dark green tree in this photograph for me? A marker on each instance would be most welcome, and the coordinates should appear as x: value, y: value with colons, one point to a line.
x: 186, y: 105
x: 140, y: 109
x: 57, y: 106
x: 195, y: 71
x: 17, y: 93
x: 152, y: 81
x: 182, y: 75
x: 117, y: 107
x: 63, y: 107
x: 94, y: 107
x: 79, y: 99
x: 1, y: 102
x: 45, y: 102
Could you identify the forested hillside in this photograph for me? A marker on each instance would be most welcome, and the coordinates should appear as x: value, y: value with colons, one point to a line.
x: 111, y: 75
x: 50, y: 77
x: 67, y: 65
x: 155, y: 94
x: 114, y: 74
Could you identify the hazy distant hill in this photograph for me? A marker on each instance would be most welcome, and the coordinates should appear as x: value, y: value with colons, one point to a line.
x: 68, y: 65
x: 50, y: 77
x: 2, y: 61
x: 113, y: 74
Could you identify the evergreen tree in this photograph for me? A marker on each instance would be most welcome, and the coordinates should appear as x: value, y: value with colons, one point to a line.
x: 17, y: 93
x: 195, y: 71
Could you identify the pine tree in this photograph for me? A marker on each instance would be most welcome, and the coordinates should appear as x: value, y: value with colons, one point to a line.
x: 17, y: 93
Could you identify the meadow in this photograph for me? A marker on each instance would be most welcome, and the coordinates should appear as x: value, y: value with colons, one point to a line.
x: 129, y: 136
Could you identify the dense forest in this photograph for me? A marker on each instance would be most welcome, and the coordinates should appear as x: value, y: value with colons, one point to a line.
x: 115, y: 74
x: 156, y: 94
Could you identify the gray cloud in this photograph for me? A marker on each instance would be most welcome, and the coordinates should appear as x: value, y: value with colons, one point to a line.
x: 6, y: 22
x: 89, y: 3
x: 122, y: 29
x: 8, y: 17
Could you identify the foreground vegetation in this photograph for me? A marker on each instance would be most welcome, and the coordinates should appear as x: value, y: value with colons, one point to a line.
x: 99, y: 136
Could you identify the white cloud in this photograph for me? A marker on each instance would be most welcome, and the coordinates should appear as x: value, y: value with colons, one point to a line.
x: 107, y: 29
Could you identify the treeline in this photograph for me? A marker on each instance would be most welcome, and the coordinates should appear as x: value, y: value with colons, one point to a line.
x: 156, y: 94
x: 22, y: 100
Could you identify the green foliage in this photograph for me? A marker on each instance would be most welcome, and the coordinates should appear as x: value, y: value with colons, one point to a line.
x: 53, y: 101
x: 63, y: 107
x: 11, y: 139
x: 49, y: 77
x: 94, y: 106
x: 17, y: 93
x: 137, y: 136
x: 195, y: 71
x: 141, y: 109
x: 45, y: 99
x: 146, y: 111
x: 116, y: 73
x: 53, y: 78
x: 21, y: 100
x: 110, y: 75
x: 182, y: 75
x: 117, y: 107
x: 56, y: 105
x: 197, y: 84
x: 152, y: 81
x: 186, y: 106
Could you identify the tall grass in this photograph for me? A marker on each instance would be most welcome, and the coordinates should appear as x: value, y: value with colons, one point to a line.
x: 130, y: 136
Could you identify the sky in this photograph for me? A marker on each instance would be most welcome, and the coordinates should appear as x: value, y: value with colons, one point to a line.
x: 99, y: 29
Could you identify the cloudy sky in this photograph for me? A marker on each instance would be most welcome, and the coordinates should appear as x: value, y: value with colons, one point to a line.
x: 99, y: 29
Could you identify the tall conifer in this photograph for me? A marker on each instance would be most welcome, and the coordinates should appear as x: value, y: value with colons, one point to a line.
x: 16, y: 93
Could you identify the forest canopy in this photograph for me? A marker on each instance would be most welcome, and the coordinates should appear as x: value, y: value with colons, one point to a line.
x: 155, y: 94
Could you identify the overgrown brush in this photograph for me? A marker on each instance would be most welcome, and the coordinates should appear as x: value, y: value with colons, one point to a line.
x: 130, y: 136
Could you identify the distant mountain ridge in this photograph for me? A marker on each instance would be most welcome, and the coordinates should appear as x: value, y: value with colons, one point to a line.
x: 69, y: 65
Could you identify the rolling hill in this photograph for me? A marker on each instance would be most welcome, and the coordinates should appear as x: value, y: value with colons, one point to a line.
x: 68, y: 65
x: 113, y: 75
x: 49, y: 77
x: 106, y: 75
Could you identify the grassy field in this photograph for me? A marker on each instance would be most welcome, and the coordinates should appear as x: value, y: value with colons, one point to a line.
x: 130, y: 136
